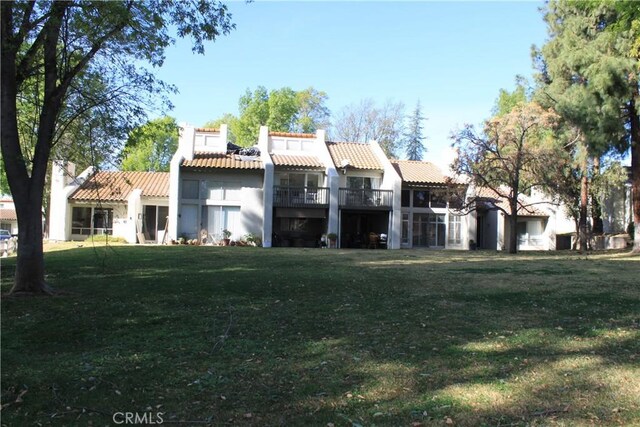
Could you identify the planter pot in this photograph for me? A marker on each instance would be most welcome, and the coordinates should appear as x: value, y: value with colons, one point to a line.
x: 225, y: 242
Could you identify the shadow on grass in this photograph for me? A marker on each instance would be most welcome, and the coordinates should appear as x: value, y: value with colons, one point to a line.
x: 274, y: 337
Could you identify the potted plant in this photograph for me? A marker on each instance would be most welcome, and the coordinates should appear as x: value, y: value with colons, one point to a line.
x: 333, y: 239
x: 226, y: 237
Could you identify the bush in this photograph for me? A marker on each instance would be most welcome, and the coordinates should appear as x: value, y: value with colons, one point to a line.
x: 253, y: 239
x: 103, y: 238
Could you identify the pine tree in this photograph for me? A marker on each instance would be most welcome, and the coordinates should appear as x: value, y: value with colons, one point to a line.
x: 413, y: 138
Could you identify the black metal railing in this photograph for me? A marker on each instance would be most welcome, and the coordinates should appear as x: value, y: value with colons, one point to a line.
x: 296, y: 197
x: 360, y: 198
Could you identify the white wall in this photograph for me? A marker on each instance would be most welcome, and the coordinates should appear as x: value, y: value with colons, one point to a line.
x: 249, y: 200
x: 63, y: 184
x: 391, y: 181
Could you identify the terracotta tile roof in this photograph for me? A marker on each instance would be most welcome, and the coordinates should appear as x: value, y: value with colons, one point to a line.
x: 292, y: 135
x: 298, y: 161
x: 415, y: 172
x: 490, y: 197
x: 8, y: 214
x: 359, y: 155
x: 111, y: 186
x: 220, y: 161
x: 208, y: 130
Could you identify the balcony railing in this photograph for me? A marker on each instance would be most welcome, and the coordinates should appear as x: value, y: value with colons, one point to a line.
x: 300, y: 197
x: 370, y: 199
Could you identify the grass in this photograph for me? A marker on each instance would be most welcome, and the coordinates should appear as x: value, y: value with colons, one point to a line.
x: 217, y: 336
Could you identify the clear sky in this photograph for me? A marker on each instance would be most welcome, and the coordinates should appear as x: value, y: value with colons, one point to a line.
x: 452, y: 56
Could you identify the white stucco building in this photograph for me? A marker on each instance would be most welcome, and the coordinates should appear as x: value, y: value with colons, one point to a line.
x: 291, y: 190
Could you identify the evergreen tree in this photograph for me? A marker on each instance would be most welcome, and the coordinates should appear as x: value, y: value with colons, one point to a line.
x: 413, y: 138
x: 588, y: 73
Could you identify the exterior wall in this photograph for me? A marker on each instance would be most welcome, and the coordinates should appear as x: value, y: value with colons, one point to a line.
x: 537, y: 236
x: 301, y: 146
x: 391, y: 181
x: 249, y: 199
x: 124, y: 217
x: 267, y: 187
x: 616, y: 210
x: 190, y: 141
x: 467, y: 222
x: 130, y: 226
x: 119, y: 225
x: 63, y: 183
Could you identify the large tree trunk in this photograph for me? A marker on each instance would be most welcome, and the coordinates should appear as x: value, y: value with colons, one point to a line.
x: 596, y: 210
x: 584, y: 196
x: 635, y: 172
x: 27, y: 186
x: 30, y: 262
x: 513, y: 225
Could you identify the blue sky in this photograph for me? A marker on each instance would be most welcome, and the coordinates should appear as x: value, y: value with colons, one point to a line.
x: 452, y: 56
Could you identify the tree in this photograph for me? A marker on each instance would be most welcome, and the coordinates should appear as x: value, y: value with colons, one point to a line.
x: 312, y: 113
x: 61, y: 47
x: 283, y: 110
x: 150, y: 146
x: 588, y: 72
x: 414, y: 146
x: 508, y: 157
x: 365, y: 121
x: 507, y: 101
x: 227, y: 119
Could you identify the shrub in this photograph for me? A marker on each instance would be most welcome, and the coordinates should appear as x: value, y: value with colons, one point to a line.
x: 102, y: 238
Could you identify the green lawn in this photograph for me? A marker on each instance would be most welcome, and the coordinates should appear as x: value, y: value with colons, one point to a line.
x: 216, y: 336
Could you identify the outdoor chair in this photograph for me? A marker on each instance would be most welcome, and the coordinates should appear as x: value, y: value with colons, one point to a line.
x: 374, y: 240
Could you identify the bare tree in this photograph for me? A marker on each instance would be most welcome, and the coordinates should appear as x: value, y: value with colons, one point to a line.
x: 365, y: 121
x: 508, y: 157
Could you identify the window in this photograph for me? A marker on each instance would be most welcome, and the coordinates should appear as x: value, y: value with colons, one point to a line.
x: 293, y: 224
x: 224, y: 218
x: 224, y: 190
x: 438, y: 200
x: 456, y: 200
x: 190, y: 189
x: 455, y: 230
x: 406, y: 198
x: 360, y: 182
x: 522, y: 228
x: 102, y: 221
x: 299, y: 180
x: 81, y: 221
x: 88, y: 221
x: 429, y: 230
x: 405, y: 228
x: 420, y: 199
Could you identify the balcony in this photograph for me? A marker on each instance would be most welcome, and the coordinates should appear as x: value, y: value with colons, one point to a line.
x: 300, y: 197
x: 367, y: 199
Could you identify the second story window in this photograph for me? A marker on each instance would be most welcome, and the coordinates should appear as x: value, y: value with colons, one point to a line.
x: 420, y: 198
x: 190, y: 189
x: 360, y: 183
x: 310, y: 180
x: 224, y: 190
x: 406, y: 198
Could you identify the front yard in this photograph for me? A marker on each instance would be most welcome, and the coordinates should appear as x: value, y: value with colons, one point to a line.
x: 248, y: 336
